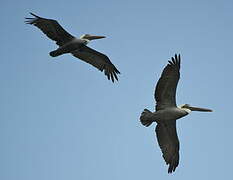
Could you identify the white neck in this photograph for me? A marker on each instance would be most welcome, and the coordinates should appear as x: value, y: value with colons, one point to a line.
x: 86, y: 41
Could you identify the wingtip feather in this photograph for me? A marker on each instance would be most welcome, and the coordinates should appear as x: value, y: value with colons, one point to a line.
x: 34, y: 15
x: 175, y: 61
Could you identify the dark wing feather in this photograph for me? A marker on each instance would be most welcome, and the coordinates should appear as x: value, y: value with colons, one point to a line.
x: 98, y: 60
x: 169, y: 143
x: 165, y: 91
x: 51, y: 28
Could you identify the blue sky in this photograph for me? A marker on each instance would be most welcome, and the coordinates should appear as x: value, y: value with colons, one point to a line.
x: 62, y: 119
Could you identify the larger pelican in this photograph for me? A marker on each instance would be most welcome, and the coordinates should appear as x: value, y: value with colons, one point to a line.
x: 76, y: 46
x: 167, y: 113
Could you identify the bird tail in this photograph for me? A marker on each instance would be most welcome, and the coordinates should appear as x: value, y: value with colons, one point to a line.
x: 146, y: 118
x: 56, y: 53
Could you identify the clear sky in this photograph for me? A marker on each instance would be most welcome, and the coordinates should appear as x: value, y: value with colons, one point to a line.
x: 61, y: 119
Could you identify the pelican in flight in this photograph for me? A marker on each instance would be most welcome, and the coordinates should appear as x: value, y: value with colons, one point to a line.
x: 167, y: 113
x: 76, y: 46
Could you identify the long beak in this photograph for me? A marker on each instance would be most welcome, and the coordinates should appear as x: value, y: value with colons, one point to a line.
x: 199, y: 109
x: 95, y: 37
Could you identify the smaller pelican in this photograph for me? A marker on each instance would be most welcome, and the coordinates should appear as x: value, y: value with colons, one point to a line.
x: 167, y: 113
x: 76, y: 46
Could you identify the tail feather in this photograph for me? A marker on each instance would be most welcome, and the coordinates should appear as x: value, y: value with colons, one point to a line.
x: 55, y: 53
x: 146, y: 118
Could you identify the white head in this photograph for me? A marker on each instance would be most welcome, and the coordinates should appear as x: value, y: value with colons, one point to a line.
x: 88, y: 37
x: 189, y: 109
x: 183, y: 107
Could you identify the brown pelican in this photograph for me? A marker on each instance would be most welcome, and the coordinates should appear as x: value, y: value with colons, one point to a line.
x: 167, y: 113
x: 76, y: 46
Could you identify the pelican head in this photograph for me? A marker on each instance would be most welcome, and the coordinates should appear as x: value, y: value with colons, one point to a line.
x: 90, y: 37
x: 189, y: 108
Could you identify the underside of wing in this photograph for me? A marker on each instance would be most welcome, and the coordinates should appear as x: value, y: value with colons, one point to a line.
x: 98, y: 60
x: 51, y: 28
x: 169, y: 144
x: 165, y: 91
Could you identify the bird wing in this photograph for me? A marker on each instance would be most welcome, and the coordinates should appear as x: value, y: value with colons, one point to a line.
x: 51, y: 28
x: 98, y: 60
x: 169, y: 143
x: 165, y: 91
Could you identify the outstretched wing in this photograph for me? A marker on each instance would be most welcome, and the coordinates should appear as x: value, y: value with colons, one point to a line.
x: 51, y: 28
x: 165, y: 91
x: 98, y: 60
x: 169, y: 143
